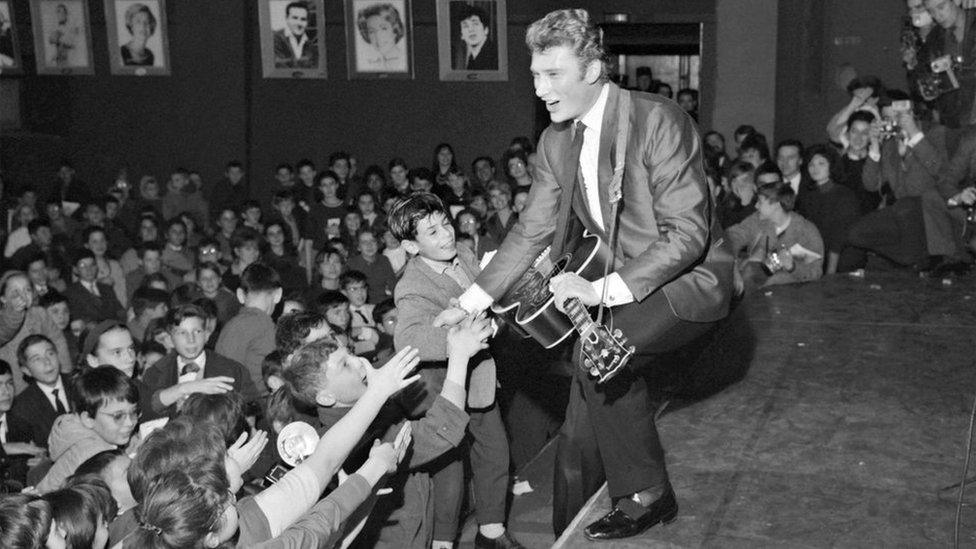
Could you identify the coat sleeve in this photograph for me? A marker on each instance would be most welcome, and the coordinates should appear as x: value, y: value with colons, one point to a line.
x: 415, y: 317
x: 439, y: 430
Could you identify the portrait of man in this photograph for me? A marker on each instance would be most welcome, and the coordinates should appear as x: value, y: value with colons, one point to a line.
x: 295, y: 44
x: 62, y: 36
x: 475, y: 49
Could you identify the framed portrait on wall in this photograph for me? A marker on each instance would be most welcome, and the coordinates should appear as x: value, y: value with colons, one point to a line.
x: 62, y: 37
x: 472, y: 40
x: 138, y: 41
x: 292, y: 38
x: 10, y: 59
x: 379, y: 38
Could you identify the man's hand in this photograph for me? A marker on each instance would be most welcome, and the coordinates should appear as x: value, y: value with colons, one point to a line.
x: 470, y: 337
x: 451, y: 316
x: 246, y: 454
x: 966, y: 197
x: 208, y: 385
x: 908, y: 124
x: 393, y: 375
x: 567, y: 285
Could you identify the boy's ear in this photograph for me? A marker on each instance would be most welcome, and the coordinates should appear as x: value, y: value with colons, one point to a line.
x: 277, y: 295
x: 86, y: 420
x: 240, y: 295
x: 325, y: 398
x: 92, y: 361
x: 410, y: 246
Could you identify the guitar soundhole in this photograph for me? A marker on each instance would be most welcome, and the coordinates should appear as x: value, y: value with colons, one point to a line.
x: 532, y: 290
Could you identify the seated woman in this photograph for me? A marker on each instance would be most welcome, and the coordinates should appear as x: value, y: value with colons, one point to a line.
x: 776, y: 245
x: 829, y: 205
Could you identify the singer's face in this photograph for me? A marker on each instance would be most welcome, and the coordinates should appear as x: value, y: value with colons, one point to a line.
x: 568, y: 88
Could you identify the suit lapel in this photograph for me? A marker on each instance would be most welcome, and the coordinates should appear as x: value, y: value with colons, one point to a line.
x: 443, y: 282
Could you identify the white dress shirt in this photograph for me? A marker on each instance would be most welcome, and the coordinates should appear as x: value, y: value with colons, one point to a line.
x: 795, y: 183
x: 3, y: 428
x: 200, y: 361
x: 48, y: 391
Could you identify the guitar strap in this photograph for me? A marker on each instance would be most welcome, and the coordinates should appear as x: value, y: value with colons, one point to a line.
x: 616, y: 189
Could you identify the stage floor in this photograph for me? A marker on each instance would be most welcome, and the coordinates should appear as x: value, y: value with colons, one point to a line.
x: 851, y: 419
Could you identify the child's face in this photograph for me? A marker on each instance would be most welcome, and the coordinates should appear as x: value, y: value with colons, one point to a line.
x: 42, y: 362
x: 346, y: 375
x: 252, y: 216
x: 368, y: 245
x: 248, y: 253
x: 60, y: 315
x: 356, y: 292
x: 114, y: 421
x: 338, y: 315
x: 389, y: 322
x: 209, y: 281
x: 353, y: 222
x: 176, y: 235
x: 435, y: 238
x: 189, y: 337
x: 97, y: 243
x: 86, y: 269
x: 117, y: 349
x: 331, y: 266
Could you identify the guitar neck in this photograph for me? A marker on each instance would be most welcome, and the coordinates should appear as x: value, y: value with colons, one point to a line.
x: 578, y: 314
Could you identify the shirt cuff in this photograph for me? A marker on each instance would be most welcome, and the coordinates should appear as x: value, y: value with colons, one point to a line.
x: 874, y: 155
x: 474, y: 299
x: 617, y: 291
x: 915, y: 139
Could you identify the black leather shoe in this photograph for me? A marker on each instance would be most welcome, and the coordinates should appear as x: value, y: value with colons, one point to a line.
x: 619, y: 524
x: 505, y: 541
x: 950, y: 267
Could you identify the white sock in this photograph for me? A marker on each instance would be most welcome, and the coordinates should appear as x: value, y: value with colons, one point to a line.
x: 492, y: 531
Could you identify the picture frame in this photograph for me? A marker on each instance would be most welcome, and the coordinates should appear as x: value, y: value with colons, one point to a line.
x: 62, y: 37
x: 11, y: 61
x: 388, y: 24
x: 138, y: 37
x: 283, y: 55
x: 472, y: 40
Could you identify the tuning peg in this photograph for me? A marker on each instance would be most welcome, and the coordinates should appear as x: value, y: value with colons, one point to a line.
x: 595, y: 372
x: 617, y: 333
x: 605, y: 353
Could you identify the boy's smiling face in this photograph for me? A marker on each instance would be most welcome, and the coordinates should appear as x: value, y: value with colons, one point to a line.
x: 434, y: 238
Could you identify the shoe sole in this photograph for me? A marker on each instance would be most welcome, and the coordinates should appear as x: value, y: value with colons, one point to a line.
x: 668, y: 519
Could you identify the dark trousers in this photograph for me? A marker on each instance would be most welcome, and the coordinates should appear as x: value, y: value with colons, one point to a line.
x: 488, y: 451
x: 609, y: 433
x: 896, y: 233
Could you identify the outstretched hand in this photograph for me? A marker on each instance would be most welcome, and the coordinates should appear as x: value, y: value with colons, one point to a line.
x: 246, y: 453
x: 470, y: 336
x: 393, y: 375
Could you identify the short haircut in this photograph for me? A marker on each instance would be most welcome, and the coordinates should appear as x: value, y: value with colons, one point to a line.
x: 283, y: 166
x: 258, y: 277
x: 386, y: 11
x: 177, y: 315
x: 420, y: 173
x: 780, y: 193
x: 297, y: 4
x: 873, y: 82
x: 304, y: 375
x: 225, y: 411
x: 304, y: 163
x: 340, y: 155
x: 86, y: 234
x: 693, y: 93
x: 80, y: 254
x: 382, y: 308
x: 76, y: 511
x: 408, y: 212
x: 791, y: 143
x: 396, y: 162
x: 768, y: 167
x: 488, y: 159
x: 149, y: 247
x: 34, y: 224
x: 174, y: 222
x: 25, y: 520
x: 756, y: 141
x: 741, y: 167
x: 97, y: 464
x: 331, y: 299
x: 293, y: 328
x: 147, y: 298
x: 250, y: 204
x: 893, y: 95
x: 744, y: 129
x: 572, y: 28
x: 98, y: 386
x: 27, y: 342
x: 51, y: 298
x: 175, y: 446
x: 351, y: 277
x: 860, y: 116
x: 237, y: 163
x: 467, y: 10
x: 242, y: 236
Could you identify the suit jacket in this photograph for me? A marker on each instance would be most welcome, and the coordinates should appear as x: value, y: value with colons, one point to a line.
x: 487, y: 59
x: 669, y: 238
x: 285, y: 56
x: 163, y: 375
x: 31, y: 416
x: 421, y: 294
x: 917, y: 172
x: 89, y: 307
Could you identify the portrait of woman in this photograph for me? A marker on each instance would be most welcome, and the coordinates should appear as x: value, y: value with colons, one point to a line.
x: 379, y: 36
x: 141, y: 24
x: 137, y: 36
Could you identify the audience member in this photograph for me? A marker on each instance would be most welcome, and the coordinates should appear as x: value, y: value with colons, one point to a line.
x: 380, y: 276
x: 833, y: 208
x: 19, y: 319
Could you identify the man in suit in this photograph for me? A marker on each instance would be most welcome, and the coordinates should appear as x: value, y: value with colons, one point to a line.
x: 35, y: 409
x: 672, y: 273
x: 294, y: 48
x: 88, y: 299
x: 190, y: 369
x: 476, y: 51
x: 439, y: 272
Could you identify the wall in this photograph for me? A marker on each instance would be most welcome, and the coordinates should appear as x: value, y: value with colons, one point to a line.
x: 217, y: 107
x: 745, y: 82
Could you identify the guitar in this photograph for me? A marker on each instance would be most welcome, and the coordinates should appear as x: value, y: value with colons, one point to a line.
x: 531, y: 308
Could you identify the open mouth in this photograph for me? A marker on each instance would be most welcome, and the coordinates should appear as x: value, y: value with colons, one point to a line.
x: 552, y: 105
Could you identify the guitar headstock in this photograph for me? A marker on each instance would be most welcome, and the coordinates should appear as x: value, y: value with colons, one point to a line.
x: 605, y: 353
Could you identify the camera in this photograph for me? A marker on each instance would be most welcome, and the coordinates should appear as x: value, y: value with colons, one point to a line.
x: 773, y: 263
x: 890, y: 129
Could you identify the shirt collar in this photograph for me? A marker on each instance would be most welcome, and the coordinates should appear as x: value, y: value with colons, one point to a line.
x: 49, y: 390
x: 199, y: 361
x: 593, y: 118
x: 440, y: 267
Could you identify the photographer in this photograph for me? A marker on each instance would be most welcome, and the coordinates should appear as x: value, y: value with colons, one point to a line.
x: 958, y: 184
x: 910, y: 160
x: 952, y: 47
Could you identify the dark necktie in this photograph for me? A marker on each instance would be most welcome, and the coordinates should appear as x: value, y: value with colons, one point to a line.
x: 57, y: 402
x: 362, y: 315
x: 578, y: 130
x: 190, y: 368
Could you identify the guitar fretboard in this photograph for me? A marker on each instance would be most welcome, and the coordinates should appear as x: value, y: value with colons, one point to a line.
x: 578, y: 314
